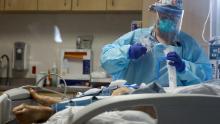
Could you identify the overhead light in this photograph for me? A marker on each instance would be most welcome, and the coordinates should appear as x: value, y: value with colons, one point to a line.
x: 57, y: 35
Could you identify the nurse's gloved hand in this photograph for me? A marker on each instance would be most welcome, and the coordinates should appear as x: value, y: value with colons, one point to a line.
x: 136, y: 51
x: 176, y: 61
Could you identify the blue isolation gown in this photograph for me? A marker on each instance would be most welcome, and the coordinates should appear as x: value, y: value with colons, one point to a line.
x: 151, y: 67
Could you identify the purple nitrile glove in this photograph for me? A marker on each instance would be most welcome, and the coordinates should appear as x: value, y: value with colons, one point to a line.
x: 176, y: 61
x: 136, y: 51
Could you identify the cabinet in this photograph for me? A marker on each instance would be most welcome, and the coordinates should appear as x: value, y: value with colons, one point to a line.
x: 1, y: 5
x: 54, y: 5
x: 71, y: 5
x: 89, y: 5
x: 124, y: 5
x: 148, y: 18
x: 21, y: 5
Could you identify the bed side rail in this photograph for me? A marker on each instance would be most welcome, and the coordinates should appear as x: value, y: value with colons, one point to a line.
x: 170, y: 108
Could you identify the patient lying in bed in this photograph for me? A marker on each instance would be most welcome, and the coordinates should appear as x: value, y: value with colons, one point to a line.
x: 27, y: 114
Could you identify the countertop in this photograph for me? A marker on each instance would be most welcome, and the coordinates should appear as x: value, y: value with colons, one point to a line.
x: 18, y: 82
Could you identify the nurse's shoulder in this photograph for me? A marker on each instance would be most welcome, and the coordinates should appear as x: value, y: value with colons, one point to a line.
x: 186, y: 39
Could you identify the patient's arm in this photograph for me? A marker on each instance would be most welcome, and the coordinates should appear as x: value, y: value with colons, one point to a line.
x: 44, y: 100
x: 27, y: 114
x: 121, y: 91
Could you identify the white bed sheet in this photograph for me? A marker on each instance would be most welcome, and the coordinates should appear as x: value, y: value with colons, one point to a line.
x: 133, y: 117
x: 115, y: 117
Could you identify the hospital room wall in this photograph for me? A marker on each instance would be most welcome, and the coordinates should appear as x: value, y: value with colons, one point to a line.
x: 38, y: 31
x: 195, y: 15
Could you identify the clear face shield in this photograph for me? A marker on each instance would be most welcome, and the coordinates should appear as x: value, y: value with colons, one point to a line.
x: 169, y: 22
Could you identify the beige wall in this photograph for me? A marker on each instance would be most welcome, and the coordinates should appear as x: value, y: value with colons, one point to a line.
x: 148, y: 18
x: 37, y: 30
x: 195, y: 14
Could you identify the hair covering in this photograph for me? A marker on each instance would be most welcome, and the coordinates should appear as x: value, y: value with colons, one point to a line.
x: 175, y: 6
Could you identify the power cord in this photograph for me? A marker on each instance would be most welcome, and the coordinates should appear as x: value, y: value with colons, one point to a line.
x: 204, y: 26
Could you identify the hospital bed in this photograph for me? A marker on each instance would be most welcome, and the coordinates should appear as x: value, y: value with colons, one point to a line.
x: 170, y: 108
x: 11, y: 98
